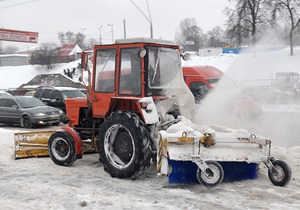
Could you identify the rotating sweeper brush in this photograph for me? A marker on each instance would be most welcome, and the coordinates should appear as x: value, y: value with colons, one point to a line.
x: 190, y: 157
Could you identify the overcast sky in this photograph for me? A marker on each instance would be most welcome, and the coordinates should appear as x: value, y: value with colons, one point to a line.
x: 48, y: 17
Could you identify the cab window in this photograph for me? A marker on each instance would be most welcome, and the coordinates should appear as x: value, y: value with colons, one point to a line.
x: 130, y: 72
x: 105, y: 70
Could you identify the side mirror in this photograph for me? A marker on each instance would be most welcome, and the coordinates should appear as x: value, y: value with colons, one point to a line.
x: 186, y: 56
x: 84, y: 60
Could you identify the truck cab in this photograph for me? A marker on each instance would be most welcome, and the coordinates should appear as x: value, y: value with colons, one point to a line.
x: 201, y: 79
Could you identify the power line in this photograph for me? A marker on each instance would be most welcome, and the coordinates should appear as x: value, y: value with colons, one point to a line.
x: 17, y: 4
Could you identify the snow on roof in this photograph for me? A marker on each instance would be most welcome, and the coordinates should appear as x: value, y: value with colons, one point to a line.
x: 28, y: 50
x: 14, y: 55
x: 69, y: 49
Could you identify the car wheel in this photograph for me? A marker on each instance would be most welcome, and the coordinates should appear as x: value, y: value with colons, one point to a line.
x: 26, y: 122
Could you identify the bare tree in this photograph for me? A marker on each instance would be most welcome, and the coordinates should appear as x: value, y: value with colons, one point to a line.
x: 91, y: 43
x: 62, y: 37
x: 79, y: 39
x: 288, y: 9
x: 190, y: 34
x: 10, y: 49
x: 46, y: 54
x: 216, y: 37
x: 71, y: 38
x: 245, y: 20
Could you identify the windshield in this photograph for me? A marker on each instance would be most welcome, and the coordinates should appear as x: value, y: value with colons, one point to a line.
x: 164, y: 65
x: 213, y: 82
x: 28, y: 101
x: 72, y: 94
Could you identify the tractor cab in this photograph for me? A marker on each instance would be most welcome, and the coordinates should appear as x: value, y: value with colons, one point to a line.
x: 132, y: 69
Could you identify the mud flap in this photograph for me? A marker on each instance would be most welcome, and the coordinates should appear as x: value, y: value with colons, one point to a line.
x: 31, y: 144
x: 184, y: 172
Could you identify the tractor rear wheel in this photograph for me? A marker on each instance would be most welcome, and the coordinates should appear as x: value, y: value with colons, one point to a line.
x: 124, y: 145
x: 61, y: 148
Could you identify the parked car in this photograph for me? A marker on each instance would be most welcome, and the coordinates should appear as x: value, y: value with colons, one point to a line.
x: 56, y: 96
x: 27, y: 111
x: 4, y: 93
x: 30, y: 93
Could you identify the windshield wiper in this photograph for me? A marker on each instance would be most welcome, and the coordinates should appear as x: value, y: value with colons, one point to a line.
x: 156, y: 65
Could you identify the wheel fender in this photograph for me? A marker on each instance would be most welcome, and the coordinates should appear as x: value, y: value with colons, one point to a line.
x: 149, y: 112
x: 76, y: 137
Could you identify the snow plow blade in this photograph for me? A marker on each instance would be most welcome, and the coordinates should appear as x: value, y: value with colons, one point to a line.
x: 31, y: 144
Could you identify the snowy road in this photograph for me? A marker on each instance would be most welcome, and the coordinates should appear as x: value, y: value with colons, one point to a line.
x: 37, y: 183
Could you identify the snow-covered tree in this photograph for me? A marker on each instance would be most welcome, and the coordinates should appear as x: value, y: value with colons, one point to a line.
x: 288, y: 13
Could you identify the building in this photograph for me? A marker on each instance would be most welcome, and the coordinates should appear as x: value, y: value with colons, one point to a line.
x: 69, y: 52
x: 13, y: 60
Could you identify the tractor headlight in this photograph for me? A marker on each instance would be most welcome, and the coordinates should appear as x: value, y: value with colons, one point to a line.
x: 148, y: 107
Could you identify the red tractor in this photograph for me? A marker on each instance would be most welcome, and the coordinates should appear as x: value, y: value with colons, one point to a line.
x: 134, y: 88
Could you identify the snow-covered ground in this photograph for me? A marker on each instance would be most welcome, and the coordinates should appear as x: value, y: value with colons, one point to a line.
x: 37, y: 183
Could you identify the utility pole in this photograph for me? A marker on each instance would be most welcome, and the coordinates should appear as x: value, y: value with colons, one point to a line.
x: 82, y: 40
x: 149, y: 19
x: 112, y: 32
x: 124, y: 25
x: 100, y: 36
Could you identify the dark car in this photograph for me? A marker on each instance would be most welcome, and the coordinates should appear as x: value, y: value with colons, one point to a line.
x: 27, y: 111
x: 56, y: 96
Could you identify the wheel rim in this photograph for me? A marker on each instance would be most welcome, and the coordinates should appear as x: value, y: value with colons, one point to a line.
x: 60, y: 149
x: 26, y: 122
x: 211, y: 179
x: 119, y: 146
x: 278, y: 173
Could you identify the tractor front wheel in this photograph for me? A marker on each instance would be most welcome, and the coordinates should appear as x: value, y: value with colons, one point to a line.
x: 124, y: 145
x: 61, y: 148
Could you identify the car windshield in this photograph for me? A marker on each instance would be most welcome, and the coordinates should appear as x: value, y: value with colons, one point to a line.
x: 164, y: 66
x: 28, y: 101
x: 72, y: 94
